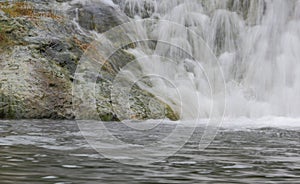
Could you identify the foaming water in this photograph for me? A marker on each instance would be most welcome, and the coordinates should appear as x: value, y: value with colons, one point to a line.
x: 256, y: 43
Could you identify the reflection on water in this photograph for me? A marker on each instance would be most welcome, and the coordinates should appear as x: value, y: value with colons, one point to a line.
x: 56, y: 152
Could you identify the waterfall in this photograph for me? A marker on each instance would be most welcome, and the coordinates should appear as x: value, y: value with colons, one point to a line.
x: 256, y: 42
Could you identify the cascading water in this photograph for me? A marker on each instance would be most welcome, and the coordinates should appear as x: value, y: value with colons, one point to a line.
x: 257, y: 43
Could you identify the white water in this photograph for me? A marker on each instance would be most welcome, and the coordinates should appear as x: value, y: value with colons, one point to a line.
x: 257, y: 43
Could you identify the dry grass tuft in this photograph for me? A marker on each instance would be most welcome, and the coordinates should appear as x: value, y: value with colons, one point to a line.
x: 25, y: 9
x: 83, y: 46
x: 4, y: 40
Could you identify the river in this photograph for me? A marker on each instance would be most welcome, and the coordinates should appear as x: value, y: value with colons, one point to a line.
x: 46, y: 151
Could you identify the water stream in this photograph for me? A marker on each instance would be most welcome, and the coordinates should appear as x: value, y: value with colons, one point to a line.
x: 256, y: 43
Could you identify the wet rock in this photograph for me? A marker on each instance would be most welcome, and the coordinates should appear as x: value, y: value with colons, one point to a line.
x: 99, y: 17
x: 141, y: 8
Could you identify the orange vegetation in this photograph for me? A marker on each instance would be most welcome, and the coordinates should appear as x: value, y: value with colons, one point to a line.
x: 83, y: 46
x: 21, y: 9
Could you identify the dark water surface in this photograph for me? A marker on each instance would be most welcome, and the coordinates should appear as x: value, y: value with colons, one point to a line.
x: 56, y: 152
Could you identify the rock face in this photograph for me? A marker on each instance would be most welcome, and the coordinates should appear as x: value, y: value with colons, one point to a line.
x: 141, y: 8
x: 35, y: 80
x: 39, y: 54
x: 99, y: 17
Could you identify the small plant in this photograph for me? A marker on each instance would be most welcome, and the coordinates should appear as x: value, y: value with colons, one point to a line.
x: 5, y: 41
x: 3, y: 38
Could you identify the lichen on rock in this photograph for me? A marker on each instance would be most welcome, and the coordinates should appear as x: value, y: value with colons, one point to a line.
x: 39, y: 55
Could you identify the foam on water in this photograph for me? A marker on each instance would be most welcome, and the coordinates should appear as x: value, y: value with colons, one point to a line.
x: 237, y: 124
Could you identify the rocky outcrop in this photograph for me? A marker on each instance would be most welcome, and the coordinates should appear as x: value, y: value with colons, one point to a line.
x: 141, y: 8
x: 39, y: 53
x: 35, y: 82
x: 99, y: 17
